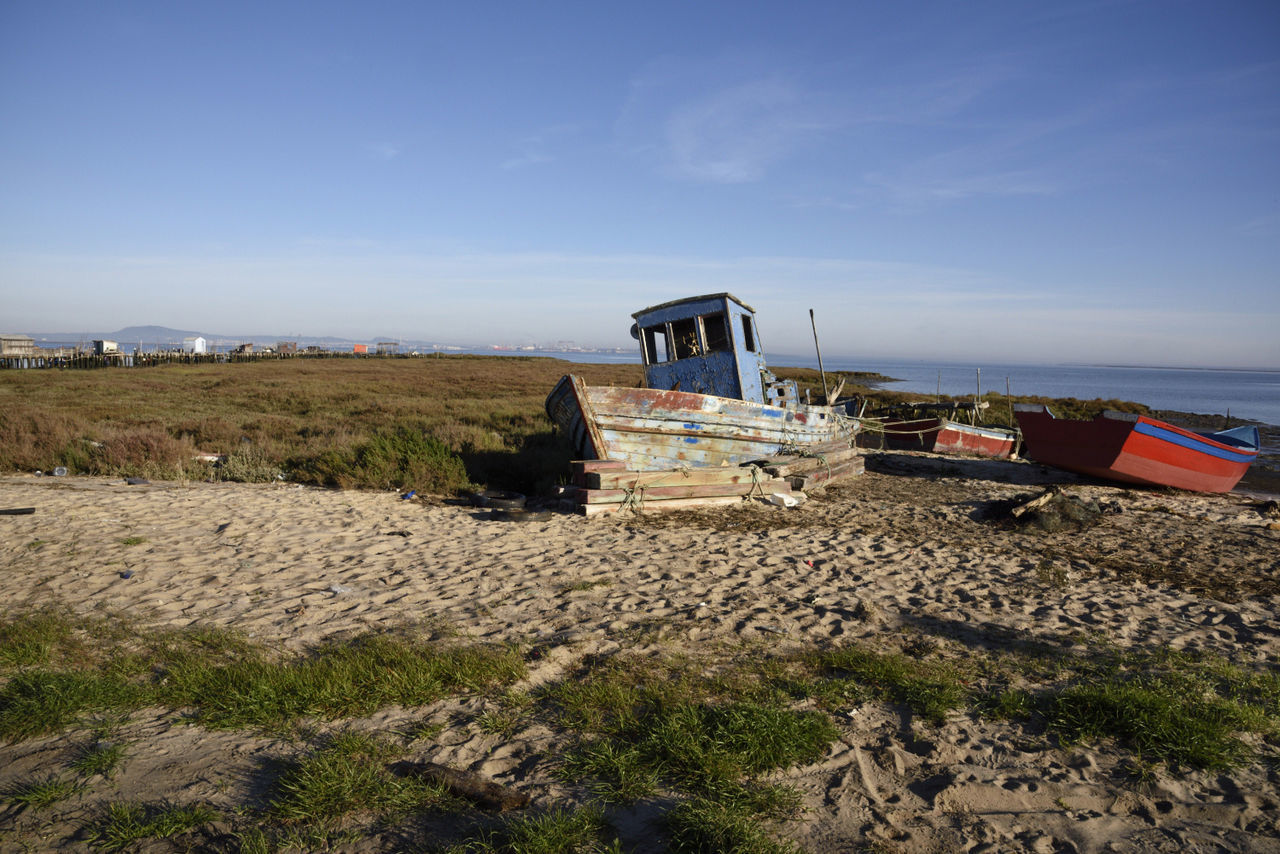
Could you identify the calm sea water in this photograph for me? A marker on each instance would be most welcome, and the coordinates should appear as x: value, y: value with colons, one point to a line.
x: 1254, y: 395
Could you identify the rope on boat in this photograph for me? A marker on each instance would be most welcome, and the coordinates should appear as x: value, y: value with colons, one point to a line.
x: 796, y: 451
x: 632, y: 499
x: 757, y: 484
x: 871, y: 425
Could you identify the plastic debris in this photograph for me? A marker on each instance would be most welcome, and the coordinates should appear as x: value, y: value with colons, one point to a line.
x: 782, y: 500
x: 60, y: 471
x: 337, y: 589
x: 128, y: 573
x: 409, y: 494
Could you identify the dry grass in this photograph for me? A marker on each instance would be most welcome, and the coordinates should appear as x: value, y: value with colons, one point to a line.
x: 315, y: 420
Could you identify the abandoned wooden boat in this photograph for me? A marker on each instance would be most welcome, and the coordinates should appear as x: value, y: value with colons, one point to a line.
x: 936, y: 428
x: 1129, y: 448
x: 709, y: 399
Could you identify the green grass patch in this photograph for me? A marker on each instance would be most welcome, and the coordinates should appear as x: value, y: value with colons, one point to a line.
x: 930, y: 689
x: 37, y: 702
x: 347, y: 679
x: 127, y: 824
x: 349, y: 776
x: 649, y: 727
x: 40, y: 794
x: 30, y: 639
x: 559, y: 831
x: 101, y: 757
x: 58, y: 673
x: 133, y: 541
x: 739, y: 822
x: 1158, y: 718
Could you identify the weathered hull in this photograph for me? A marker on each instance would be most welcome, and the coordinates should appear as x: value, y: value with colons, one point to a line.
x: 1141, y: 450
x: 651, y: 429
x: 943, y: 436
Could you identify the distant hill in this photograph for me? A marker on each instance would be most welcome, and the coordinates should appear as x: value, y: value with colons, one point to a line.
x: 152, y: 334
x: 147, y: 334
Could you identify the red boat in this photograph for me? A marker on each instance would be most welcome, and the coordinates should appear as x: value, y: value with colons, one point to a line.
x: 934, y: 427
x: 1131, y: 448
x: 944, y: 436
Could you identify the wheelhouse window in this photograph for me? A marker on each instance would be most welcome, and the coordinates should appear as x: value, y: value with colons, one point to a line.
x: 684, y: 335
x: 690, y: 336
x: 715, y: 331
x: 655, y: 343
x: 748, y: 334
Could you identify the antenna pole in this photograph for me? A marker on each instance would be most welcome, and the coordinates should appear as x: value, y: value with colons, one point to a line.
x: 816, y: 346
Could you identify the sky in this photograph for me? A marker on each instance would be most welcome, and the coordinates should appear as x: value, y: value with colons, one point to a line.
x: 1005, y: 181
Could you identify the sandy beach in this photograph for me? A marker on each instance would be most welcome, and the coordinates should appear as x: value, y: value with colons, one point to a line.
x: 911, y: 555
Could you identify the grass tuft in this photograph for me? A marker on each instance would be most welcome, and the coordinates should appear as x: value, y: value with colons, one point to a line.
x: 100, y: 758
x: 930, y: 689
x: 711, y: 826
x: 339, y: 680
x: 38, y: 702
x: 41, y: 794
x: 348, y: 775
x: 56, y: 674
x: 559, y: 831
x: 1157, y: 718
x: 127, y: 824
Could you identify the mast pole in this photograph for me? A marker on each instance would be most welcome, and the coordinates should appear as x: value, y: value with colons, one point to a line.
x: 816, y: 346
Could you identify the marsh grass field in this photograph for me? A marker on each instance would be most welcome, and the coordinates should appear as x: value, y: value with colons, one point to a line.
x: 197, y: 664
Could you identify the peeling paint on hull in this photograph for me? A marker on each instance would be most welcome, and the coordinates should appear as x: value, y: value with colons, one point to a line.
x: 652, y: 429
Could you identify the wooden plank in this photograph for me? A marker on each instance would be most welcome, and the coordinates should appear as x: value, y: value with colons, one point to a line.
x: 661, y: 506
x: 827, y: 447
x: 711, y: 490
x: 681, y: 477
x: 597, y: 465
x: 804, y: 465
x: 855, y: 466
x: 580, y: 468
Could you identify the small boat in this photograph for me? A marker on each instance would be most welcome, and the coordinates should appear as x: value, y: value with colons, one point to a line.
x: 709, y: 399
x: 935, y: 428
x: 1129, y: 448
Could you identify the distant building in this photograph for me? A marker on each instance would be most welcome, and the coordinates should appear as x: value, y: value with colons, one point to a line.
x: 360, y: 348
x: 288, y: 348
x: 388, y: 348
x: 16, y: 345
x: 243, y: 349
x: 105, y: 348
x: 195, y: 345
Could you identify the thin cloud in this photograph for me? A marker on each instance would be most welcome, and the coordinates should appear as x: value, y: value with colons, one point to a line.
x: 734, y: 135
x: 385, y: 150
x: 536, y: 148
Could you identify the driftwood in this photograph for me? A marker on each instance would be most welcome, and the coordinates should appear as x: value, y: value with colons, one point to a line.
x: 1035, y: 504
x: 18, y: 511
x: 484, y: 793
